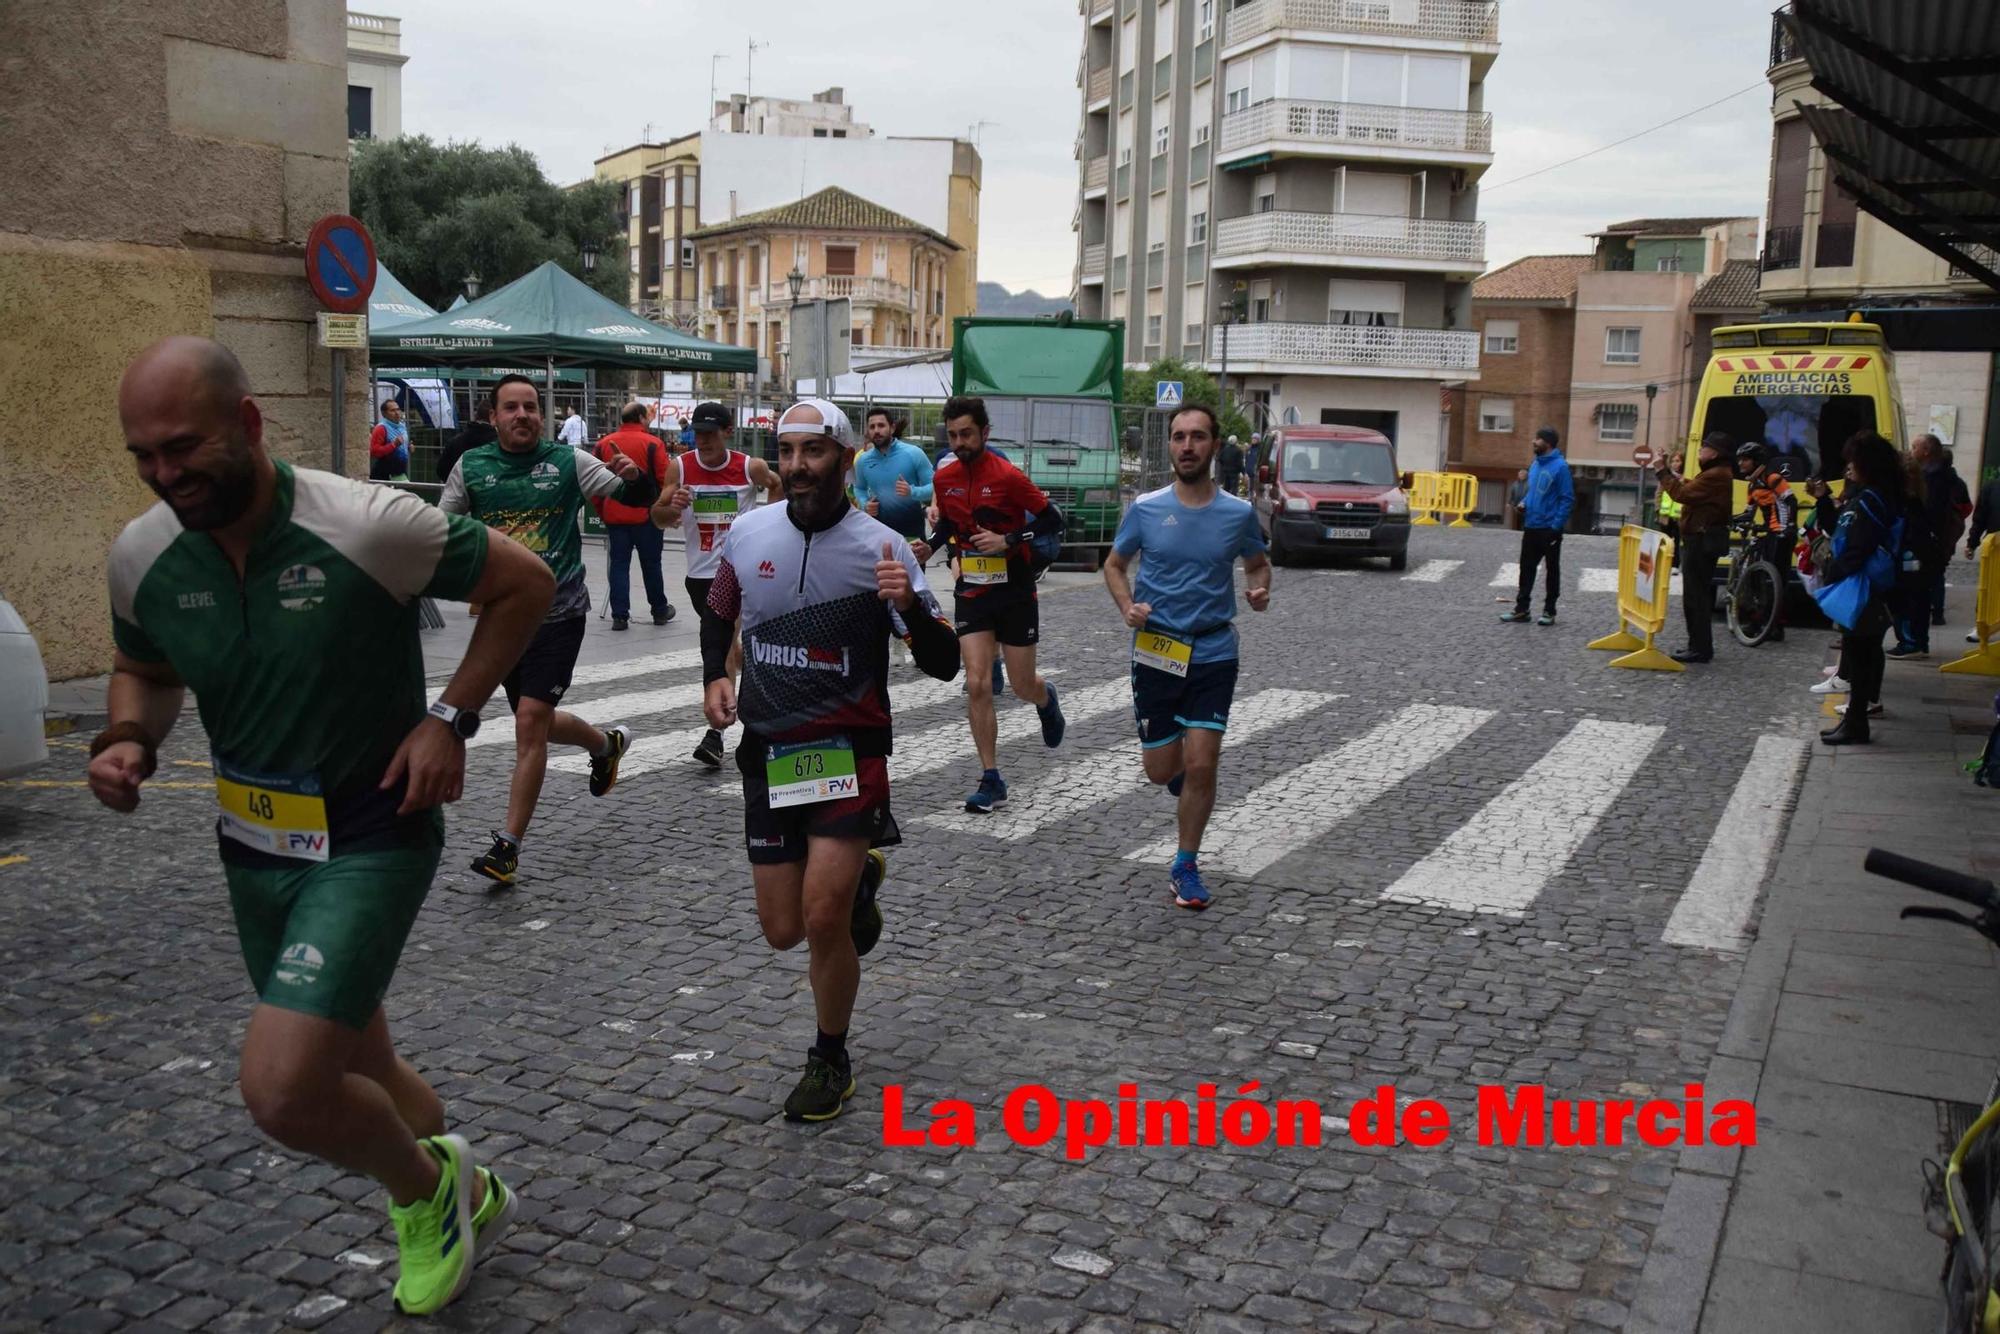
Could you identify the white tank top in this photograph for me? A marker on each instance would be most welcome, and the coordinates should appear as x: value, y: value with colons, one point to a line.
x: 720, y: 495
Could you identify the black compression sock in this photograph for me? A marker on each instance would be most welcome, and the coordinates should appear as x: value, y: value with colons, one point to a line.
x: 833, y: 1046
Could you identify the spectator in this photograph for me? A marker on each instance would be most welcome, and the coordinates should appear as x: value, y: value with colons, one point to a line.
x: 687, y: 435
x: 1916, y: 565
x: 389, y: 446
x: 1229, y: 464
x: 479, y: 431
x: 574, y: 433
x: 629, y: 528
x: 1517, y: 498
x: 1545, y: 513
x: 1866, y: 527
x: 1950, y: 505
x: 1706, y: 500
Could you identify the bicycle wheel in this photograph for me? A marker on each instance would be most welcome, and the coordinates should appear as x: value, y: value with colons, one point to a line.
x: 1754, y: 604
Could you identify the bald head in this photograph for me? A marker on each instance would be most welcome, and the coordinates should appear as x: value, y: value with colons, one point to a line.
x: 193, y: 428
x: 194, y: 370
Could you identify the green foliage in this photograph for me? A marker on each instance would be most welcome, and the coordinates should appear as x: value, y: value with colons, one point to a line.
x: 1197, y: 387
x: 441, y: 211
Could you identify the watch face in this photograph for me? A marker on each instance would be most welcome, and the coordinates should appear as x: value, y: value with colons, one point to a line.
x: 467, y: 724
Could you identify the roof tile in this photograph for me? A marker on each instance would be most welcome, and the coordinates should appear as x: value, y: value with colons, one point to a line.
x: 1534, y: 278
x: 832, y: 209
x: 1733, y: 288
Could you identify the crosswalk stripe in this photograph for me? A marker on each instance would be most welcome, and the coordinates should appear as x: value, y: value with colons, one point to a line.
x: 1113, y: 772
x: 1714, y: 910
x: 612, y: 709
x: 1500, y: 859
x: 946, y: 743
x: 1509, y: 575
x: 597, y: 673
x: 1432, y: 571
x: 1284, y: 815
x: 1599, y: 581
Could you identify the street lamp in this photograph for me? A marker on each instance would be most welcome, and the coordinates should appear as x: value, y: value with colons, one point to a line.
x: 589, y: 256
x: 1226, y: 313
x: 472, y: 287
x: 796, y: 280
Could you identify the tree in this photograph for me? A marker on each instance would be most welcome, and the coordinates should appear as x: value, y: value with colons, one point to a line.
x: 1198, y: 388
x: 442, y: 211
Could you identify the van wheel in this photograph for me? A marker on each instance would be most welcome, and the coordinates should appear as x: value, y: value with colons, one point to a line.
x: 1400, y: 561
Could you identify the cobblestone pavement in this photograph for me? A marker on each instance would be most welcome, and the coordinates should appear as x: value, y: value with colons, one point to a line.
x: 616, y: 1036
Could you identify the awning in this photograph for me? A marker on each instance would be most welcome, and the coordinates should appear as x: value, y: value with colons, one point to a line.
x: 1916, y: 135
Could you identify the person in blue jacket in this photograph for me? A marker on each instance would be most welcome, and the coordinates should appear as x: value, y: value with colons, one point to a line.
x: 892, y: 477
x: 1544, y: 514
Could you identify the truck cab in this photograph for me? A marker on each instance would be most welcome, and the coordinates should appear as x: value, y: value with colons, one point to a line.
x: 1332, y: 489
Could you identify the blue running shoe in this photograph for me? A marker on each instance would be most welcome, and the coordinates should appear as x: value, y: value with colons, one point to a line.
x: 1052, y: 721
x: 992, y: 791
x: 1189, y: 892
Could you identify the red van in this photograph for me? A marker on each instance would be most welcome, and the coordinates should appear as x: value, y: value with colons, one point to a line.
x: 1332, y: 489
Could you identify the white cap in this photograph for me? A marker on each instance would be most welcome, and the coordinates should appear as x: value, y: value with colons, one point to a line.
x: 819, y: 417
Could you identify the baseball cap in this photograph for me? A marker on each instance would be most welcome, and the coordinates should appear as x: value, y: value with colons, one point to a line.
x: 819, y: 417
x: 711, y: 417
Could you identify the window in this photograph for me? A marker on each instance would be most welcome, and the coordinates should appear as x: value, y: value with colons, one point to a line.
x: 360, y: 112
x: 1152, y: 330
x: 1377, y: 305
x: 1503, y: 337
x: 1201, y: 134
x: 633, y: 196
x: 1194, y: 333
x: 1204, y: 28
x: 1496, y: 415
x: 1198, y: 229
x: 1162, y: 138
x: 1617, y: 423
x: 819, y: 134
x: 687, y: 253
x: 1668, y: 263
x: 840, y: 261
x: 1265, y: 192
x: 1621, y: 347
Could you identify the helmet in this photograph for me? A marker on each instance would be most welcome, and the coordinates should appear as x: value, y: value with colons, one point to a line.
x: 1751, y: 451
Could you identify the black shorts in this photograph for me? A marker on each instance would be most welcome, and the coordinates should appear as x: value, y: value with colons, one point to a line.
x: 1165, y: 705
x: 547, y: 663
x: 1015, y: 621
x: 773, y: 838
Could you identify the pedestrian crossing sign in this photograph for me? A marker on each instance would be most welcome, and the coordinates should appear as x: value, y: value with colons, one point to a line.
x: 1167, y: 393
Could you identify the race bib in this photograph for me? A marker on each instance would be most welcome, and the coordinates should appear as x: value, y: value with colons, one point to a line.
x: 808, y: 772
x: 284, y: 816
x: 976, y: 569
x: 715, y: 506
x: 1162, y: 652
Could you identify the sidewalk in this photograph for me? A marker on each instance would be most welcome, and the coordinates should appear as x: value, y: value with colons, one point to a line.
x: 1849, y: 1028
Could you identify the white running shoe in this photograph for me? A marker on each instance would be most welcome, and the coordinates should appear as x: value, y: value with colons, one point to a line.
x: 1833, y: 685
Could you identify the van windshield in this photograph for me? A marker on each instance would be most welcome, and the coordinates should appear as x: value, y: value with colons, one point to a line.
x: 1805, y: 432
x: 1360, y: 462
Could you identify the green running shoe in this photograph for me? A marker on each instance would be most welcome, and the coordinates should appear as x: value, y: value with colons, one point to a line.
x: 431, y: 1235
x: 822, y: 1090
x: 495, y: 1216
x: 604, y: 768
x: 867, y: 920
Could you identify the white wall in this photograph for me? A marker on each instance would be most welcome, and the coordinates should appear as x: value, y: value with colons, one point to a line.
x: 1417, y: 403
x: 1948, y: 379
x: 910, y: 176
x: 386, y: 81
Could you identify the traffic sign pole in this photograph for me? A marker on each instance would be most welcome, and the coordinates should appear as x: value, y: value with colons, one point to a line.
x: 340, y: 269
x: 1643, y: 457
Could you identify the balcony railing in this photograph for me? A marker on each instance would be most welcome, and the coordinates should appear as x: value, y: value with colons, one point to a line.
x: 1834, y: 247
x: 722, y: 296
x: 1782, y: 246
x: 1352, y: 235
x: 1783, y: 49
x: 1342, y: 125
x: 1093, y: 262
x: 1096, y: 173
x: 873, y: 291
x: 1476, y: 21
x: 1100, y: 85
x: 1446, y: 351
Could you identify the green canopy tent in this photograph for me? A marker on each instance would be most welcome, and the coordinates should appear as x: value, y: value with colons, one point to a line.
x: 547, y: 319
x: 392, y: 304
x: 456, y: 302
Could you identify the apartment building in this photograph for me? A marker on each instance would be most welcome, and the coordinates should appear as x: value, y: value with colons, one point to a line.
x: 661, y: 208
x: 825, y: 116
x: 1298, y: 180
x: 375, y: 63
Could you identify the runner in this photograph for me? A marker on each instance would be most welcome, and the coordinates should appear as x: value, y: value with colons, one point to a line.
x: 982, y: 500
x: 531, y: 489
x: 707, y: 488
x: 818, y: 587
x: 892, y: 477
x: 1189, y: 537
x: 286, y: 599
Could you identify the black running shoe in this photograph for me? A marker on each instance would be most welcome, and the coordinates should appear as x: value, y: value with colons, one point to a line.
x: 867, y: 921
x: 709, y: 752
x: 821, y: 1091
x: 499, y: 862
x: 604, y: 770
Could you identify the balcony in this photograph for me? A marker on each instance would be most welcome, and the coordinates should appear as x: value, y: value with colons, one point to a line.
x: 722, y: 296
x: 1096, y: 174
x: 1474, y: 22
x: 1784, y: 50
x: 1781, y: 247
x: 1348, y: 349
x: 1356, y: 129
x: 1093, y: 263
x: 1312, y: 238
x: 861, y: 291
x: 1099, y: 86
x: 1097, y: 9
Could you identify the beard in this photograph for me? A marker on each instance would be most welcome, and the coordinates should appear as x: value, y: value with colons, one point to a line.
x: 1191, y: 472
x: 229, y: 488
x: 813, y: 498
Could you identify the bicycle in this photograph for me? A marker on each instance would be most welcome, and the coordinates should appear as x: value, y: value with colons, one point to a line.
x: 1755, y: 592
x: 1962, y: 1197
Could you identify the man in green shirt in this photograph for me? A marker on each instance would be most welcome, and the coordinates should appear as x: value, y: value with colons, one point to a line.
x: 286, y: 599
x: 531, y: 489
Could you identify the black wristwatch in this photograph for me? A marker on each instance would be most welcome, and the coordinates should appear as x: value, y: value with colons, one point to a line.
x: 464, y: 723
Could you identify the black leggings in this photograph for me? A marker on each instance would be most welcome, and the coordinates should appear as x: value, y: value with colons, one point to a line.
x: 1861, y: 658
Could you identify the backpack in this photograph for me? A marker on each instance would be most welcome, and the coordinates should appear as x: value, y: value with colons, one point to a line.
x: 1045, y: 547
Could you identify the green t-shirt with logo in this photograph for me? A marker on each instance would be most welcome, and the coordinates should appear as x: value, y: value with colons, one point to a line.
x: 534, y: 497
x: 307, y: 671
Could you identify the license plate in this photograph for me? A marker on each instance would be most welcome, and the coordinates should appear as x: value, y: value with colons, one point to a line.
x: 1347, y: 534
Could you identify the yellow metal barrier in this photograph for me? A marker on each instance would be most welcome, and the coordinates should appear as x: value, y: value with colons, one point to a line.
x: 1426, y: 491
x: 1645, y: 577
x: 1460, y: 496
x: 1984, y: 660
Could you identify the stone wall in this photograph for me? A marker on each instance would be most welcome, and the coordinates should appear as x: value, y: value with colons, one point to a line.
x: 167, y: 161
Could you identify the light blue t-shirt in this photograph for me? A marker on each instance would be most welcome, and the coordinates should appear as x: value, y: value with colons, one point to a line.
x: 875, y: 477
x: 1187, y: 566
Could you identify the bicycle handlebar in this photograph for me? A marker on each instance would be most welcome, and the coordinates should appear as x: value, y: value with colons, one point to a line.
x: 1972, y: 889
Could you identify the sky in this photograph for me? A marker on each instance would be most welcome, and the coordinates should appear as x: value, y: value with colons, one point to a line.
x: 594, y: 76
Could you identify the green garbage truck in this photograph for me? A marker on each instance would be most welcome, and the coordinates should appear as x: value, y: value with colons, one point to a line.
x: 1051, y: 387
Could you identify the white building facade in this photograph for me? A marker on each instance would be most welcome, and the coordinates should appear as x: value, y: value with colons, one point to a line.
x: 1305, y: 171
x: 375, y: 63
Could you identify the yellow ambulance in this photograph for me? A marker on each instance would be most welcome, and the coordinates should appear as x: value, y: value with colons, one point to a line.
x: 1801, y: 389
